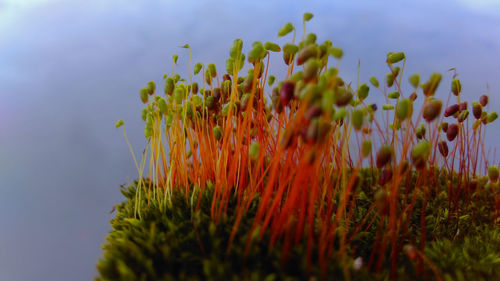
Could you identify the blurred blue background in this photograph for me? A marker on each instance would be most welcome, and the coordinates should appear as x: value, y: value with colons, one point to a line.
x: 70, y: 69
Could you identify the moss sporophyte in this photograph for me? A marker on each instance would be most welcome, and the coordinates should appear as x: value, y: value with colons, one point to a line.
x: 245, y: 177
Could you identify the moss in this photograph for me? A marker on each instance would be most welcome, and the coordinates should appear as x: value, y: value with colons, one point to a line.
x: 173, y: 242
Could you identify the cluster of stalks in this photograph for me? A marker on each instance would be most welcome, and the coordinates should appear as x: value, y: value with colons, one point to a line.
x: 301, y: 145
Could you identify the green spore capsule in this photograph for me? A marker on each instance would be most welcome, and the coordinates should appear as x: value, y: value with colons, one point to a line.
x: 420, y: 153
x: 270, y: 80
x: 144, y: 93
x: 175, y: 57
x: 395, y: 57
x: 493, y: 172
x: 357, y: 119
x: 366, y: 148
x: 393, y: 95
x: 387, y: 107
x: 307, y: 16
x: 420, y: 132
x: 208, y: 77
x: 162, y: 105
x: 492, y: 116
x: 213, y: 70
x: 414, y: 80
x: 287, y: 28
x: 363, y: 91
x: 431, y: 85
x: 290, y: 48
x: 210, y: 102
x: 395, y: 71
x: 327, y: 101
x: 389, y: 79
x: 197, y: 68
x: 148, y: 132
x: 144, y: 113
x: 236, y: 48
x: 311, y: 68
x: 169, y: 86
x: 340, y: 114
x: 374, y: 81
x: 179, y: 95
x: 197, y: 101
x: 404, y: 109
x: 462, y: 116
x: 119, y: 123
x: 151, y: 87
x: 456, y: 87
x: 432, y: 109
x: 343, y: 98
x: 254, y: 150
x: 230, y: 65
x: 336, y: 52
x: 176, y: 77
x: 273, y: 47
x: 217, y: 131
x: 311, y: 38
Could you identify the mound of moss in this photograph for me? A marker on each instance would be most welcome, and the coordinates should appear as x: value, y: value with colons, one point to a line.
x: 173, y: 242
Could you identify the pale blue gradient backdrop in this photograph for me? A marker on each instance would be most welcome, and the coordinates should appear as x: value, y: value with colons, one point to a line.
x: 70, y: 69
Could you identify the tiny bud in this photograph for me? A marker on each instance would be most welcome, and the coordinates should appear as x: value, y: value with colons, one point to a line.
x: 413, y: 96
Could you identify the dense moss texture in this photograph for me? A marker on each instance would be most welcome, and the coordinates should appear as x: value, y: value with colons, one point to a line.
x: 173, y: 242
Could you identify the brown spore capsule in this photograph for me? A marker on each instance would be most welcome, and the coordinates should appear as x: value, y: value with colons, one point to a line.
x: 452, y: 132
x: 286, y: 93
x: 451, y: 110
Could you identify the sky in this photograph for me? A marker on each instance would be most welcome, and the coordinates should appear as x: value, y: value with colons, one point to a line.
x: 70, y: 69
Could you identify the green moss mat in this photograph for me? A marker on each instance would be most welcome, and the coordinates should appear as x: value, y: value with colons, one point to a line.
x: 174, y: 243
